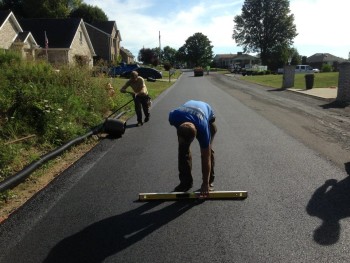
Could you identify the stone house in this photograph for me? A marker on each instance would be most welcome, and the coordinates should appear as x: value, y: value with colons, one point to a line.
x: 105, y: 38
x: 12, y: 36
x: 127, y: 56
x: 62, y: 41
x: 319, y: 59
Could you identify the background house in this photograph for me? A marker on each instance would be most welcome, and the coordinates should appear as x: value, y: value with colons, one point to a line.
x: 319, y: 59
x: 223, y: 60
x: 105, y: 38
x: 227, y: 60
x: 12, y: 36
x: 127, y: 56
x: 63, y: 41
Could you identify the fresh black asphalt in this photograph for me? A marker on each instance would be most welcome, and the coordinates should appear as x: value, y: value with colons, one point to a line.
x: 91, y: 214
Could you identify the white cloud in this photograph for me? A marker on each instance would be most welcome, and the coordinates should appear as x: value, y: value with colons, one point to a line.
x: 321, y: 24
x: 140, y: 29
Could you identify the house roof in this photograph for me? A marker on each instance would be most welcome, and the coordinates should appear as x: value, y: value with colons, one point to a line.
x: 6, y: 15
x: 24, y: 36
x: 324, y: 57
x: 105, y: 26
x: 244, y: 57
x: 126, y: 51
x: 60, y: 32
x: 225, y: 56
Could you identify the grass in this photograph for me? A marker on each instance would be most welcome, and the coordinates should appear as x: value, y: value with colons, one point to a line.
x: 322, y: 80
x: 72, y: 96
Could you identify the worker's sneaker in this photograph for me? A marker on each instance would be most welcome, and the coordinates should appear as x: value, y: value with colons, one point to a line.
x: 183, y: 187
x: 140, y: 123
x: 211, y: 187
x: 147, y: 119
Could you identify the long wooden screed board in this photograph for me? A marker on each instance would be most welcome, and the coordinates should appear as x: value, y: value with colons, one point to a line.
x: 193, y: 195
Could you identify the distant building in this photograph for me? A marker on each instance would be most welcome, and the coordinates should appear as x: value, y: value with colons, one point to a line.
x: 105, y: 38
x: 127, y: 56
x: 12, y: 36
x: 319, y: 59
x: 62, y: 41
x: 240, y: 59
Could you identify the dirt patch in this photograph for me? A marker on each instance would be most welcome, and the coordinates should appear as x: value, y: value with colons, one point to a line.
x: 41, y: 178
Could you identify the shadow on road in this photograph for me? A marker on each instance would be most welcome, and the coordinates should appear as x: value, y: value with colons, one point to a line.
x: 111, y: 235
x: 279, y: 89
x: 336, y: 105
x: 331, y: 203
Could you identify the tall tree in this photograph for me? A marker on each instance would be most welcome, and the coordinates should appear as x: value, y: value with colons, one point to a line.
x: 147, y: 56
x: 280, y: 56
x: 197, y: 50
x: 169, y: 54
x: 89, y: 13
x: 49, y: 8
x: 264, y: 26
x: 16, y: 6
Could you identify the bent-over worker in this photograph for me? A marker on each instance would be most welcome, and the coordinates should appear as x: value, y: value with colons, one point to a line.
x: 194, y: 119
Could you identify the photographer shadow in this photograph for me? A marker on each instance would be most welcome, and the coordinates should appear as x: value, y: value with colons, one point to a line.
x: 331, y: 203
x: 109, y: 236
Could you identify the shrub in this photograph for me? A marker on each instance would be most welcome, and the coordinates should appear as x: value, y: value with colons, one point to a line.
x: 326, y: 68
x: 9, y: 57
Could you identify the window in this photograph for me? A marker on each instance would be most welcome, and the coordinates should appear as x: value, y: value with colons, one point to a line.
x: 81, y: 37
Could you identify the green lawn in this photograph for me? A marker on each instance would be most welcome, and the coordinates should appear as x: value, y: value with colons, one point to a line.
x: 322, y: 80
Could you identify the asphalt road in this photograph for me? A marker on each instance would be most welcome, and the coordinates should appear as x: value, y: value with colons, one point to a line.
x: 297, y: 208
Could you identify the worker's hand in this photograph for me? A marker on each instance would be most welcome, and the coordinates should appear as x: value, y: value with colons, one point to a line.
x: 204, y: 190
x: 133, y: 94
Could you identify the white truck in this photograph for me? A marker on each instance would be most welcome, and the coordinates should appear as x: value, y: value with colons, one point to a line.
x: 300, y: 69
x: 303, y: 69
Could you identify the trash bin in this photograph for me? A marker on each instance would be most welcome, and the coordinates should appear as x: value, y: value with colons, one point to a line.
x: 309, y: 80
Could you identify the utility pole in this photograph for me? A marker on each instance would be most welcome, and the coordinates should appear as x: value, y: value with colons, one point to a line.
x: 160, y: 48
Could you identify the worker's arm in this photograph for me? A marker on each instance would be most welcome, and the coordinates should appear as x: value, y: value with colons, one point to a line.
x: 206, y: 166
x: 126, y: 85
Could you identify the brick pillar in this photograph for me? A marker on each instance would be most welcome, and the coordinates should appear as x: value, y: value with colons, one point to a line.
x: 344, y: 82
x: 288, y: 76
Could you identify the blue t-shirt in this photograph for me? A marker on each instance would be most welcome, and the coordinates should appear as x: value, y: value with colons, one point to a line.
x: 197, y: 112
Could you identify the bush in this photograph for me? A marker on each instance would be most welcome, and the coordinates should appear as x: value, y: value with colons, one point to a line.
x: 55, y: 106
x: 326, y: 68
x: 9, y: 57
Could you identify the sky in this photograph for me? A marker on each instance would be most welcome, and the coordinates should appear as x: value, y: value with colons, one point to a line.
x: 321, y: 24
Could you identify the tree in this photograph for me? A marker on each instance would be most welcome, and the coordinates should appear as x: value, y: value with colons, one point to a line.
x: 197, y: 50
x: 281, y: 55
x: 49, y: 8
x: 169, y: 55
x: 158, y: 54
x: 16, y: 6
x: 89, y: 13
x: 147, y: 56
x: 264, y: 27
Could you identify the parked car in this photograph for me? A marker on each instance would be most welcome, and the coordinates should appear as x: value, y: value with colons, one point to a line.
x: 117, y: 71
x: 146, y: 73
x: 316, y: 70
x: 303, y: 69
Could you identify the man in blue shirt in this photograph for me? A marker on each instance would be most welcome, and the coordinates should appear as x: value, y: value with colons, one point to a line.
x: 194, y: 119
